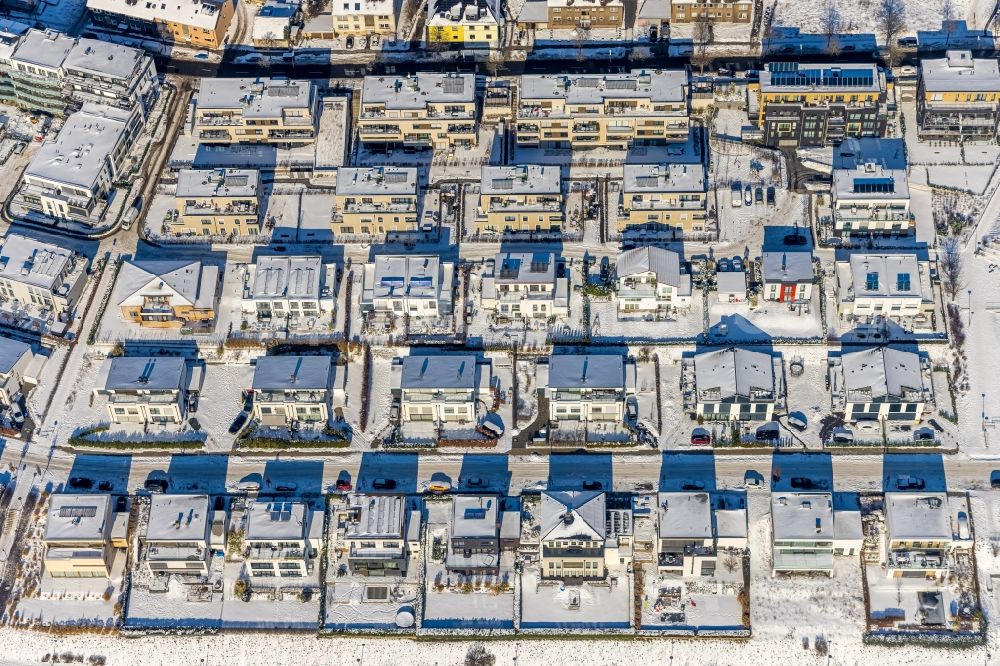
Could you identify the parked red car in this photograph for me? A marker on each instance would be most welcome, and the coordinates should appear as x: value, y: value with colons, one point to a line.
x: 701, y: 439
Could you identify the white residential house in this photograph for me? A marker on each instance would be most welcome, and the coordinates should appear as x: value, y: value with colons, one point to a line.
x: 144, y: 389
x: 922, y: 531
x: 40, y: 275
x: 176, y: 540
x: 283, y: 538
x: 474, y: 539
x: 651, y: 281
x: 806, y: 533
x: 870, y: 195
x: 888, y: 285
x: 787, y: 276
x: 289, y: 290
x: 15, y: 360
x: 525, y: 285
x: 573, y: 534
x: 587, y: 387
x: 736, y: 384
x: 418, y: 286
x: 880, y: 383
x: 296, y: 389
x: 82, y: 533
x: 692, y: 532
x: 380, y: 534
x: 168, y: 293
x: 731, y: 286
x: 443, y: 388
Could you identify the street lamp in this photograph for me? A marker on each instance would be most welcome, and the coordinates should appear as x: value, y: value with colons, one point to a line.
x: 970, y: 309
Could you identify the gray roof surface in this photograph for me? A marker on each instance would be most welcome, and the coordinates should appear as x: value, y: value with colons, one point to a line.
x: 571, y: 371
x: 380, y: 180
x: 105, y: 58
x: 654, y: 178
x: 521, y: 179
x: 802, y: 516
x: 958, y: 71
x: 177, y: 518
x: 871, y: 81
x: 685, y: 515
x: 189, y: 279
x: 218, y: 182
x: 377, y: 516
x: 525, y: 268
x: 78, y: 517
x: 666, y: 264
x: 860, y: 162
x: 414, y: 276
x: 888, y: 267
x: 271, y: 519
x: 731, y: 282
x: 144, y: 373
x: 452, y: 371
x: 287, y: 277
x: 884, y: 370
x: 474, y: 515
x: 657, y: 85
x: 33, y: 262
x: 918, y: 516
x: 418, y: 90
x: 301, y: 373
x: 75, y: 155
x: 11, y: 352
x: 586, y: 510
x: 787, y: 266
x: 45, y: 48
x: 734, y: 371
x: 258, y: 98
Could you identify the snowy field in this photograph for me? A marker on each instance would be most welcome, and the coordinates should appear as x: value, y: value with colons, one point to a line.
x: 859, y: 15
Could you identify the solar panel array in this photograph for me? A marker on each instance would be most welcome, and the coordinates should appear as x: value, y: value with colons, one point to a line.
x: 454, y: 85
x: 874, y: 186
x: 395, y: 177
x: 77, y: 511
x: 283, y: 91
x: 503, y: 184
x: 620, y: 84
x: 793, y: 75
x: 647, y: 181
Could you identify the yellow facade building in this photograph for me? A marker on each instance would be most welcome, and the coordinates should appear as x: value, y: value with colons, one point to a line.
x: 217, y: 202
x: 609, y: 110
x: 200, y: 23
x: 422, y: 110
x: 522, y: 198
x: 664, y: 198
x: 279, y: 112
x: 471, y: 23
x: 81, y: 535
x: 959, y: 96
x: 373, y: 201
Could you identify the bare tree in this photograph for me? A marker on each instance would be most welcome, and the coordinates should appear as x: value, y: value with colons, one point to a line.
x: 582, y: 38
x: 479, y: 656
x: 890, y: 17
x: 834, y: 47
x: 703, y: 34
x: 947, y: 20
x: 831, y: 21
x: 950, y: 260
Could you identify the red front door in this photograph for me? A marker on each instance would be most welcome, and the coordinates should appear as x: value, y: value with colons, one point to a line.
x: 787, y: 292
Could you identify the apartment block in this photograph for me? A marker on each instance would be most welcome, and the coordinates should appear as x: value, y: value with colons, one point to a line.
x: 49, y: 72
x: 425, y: 110
x: 958, y: 97
x: 82, y: 534
x: 295, y: 389
x: 716, y: 11
x: 807, y: 533
x: 651, y: 281
x: 526, y: 285
x: 787, y: 276
x: 798, y: 104
x: 41, y: 275
x: 282, y: 537
x: 363, y: 18
x: 71, y: 175
x: 441, y: 389
x: 379, y: 534
x: 585, y: 14
x: 736, y: 384
x: 288, y: 290
x: 888, y: 285
x: 610, y: 110
x: 176, y: 539
x: 587, y: 387
x: 196, y: 23
x: 168, y: 294
x: 521, y: 198
x: 281, y: 112
x: 870, y: 195
x: 880, y: 383
x: 471, y: 23
x: 144, y: 389
x: 374, y: 201
x: 670, y: 198
x: 419, y: 286
x: 217, y: 202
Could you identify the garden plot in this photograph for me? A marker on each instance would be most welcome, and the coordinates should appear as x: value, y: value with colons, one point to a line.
x: 670, y: 601
x: 808, y: 396
x: 588, y: 606
x: 482, y: 601
x: 860, y: 16
x: 749, y: 319
x: 682, y: 324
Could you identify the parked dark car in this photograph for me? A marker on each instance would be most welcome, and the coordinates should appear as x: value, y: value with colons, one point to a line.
x: 692, y: 485
x: 238, y: 422
x: 770, y: 195
x: 81, y: 482
x: 156, y: 485
x: 701, y: 439
x: 796, y: 239
x: 343, y: 485
x: 802, y: 482
x: 592, y: 485
x: 383, y: 484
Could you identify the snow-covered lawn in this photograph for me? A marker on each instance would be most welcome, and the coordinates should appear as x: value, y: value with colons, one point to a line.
x: 859, y: 15
x: 549, y: 604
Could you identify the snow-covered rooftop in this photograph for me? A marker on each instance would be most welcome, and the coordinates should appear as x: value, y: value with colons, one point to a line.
x: 363, y: 7
x: 218, y: 183
x: 666, y: 264
x: 414, y: 276
x: 667, y: 85
x: 450, y: 371
x: 474, y: 516
x: 663, y: 178
x: 521, y: 179
x: 43, y: 48
x: 685, y: 515
x: 177, y: 518
x: 587, y: 371
x: 787, y: 266
x: 802, y: 516
x: 142, y: 373
x: 917, y: 517
x: 443, y: 12
x: 418, y: 90
x: 255, y: 98
x: 779, y: 77
x: 78, y: 152
x: 881, y: 275
x: 105, y: 59
x: 286, y: 277
x: 203, y: 14
x: 573, y: 514
x: 11, y: 352
x: 292, y: 373
x: 525, y: 268
x: 958, y: 71
x: 195, y: 284
x: 381, y: 180
x: 735, y: 372
x: 273, y: 520
x: 376, y: 516
x: 80, y: 518
x: 882, y: 373
x: 870, y: 168
x: 731, y: 282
